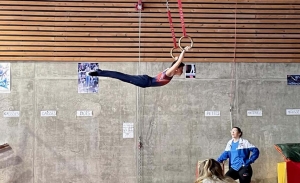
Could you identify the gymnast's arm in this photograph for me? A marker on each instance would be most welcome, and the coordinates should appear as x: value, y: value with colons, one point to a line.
x: 170, y: 71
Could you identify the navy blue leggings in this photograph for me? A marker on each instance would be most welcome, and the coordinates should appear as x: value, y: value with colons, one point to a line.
x: 244, y: 174
x: 137, y: 80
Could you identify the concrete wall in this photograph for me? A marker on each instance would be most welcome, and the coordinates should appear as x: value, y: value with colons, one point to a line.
x: 174, y: 131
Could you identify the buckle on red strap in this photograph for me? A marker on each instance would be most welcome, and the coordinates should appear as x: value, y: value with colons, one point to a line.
x: 139, y: 5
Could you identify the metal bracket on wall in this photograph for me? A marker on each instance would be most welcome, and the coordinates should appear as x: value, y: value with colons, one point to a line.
x: 139, y: 5
x: 4, y: 146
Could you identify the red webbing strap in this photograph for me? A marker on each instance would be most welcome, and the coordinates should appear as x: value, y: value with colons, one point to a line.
x: 181, y: 17
x: 172, y: 28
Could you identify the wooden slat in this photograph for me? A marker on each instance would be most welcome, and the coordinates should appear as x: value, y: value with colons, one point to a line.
x: 144, y: 50
x: 154, y: 31
x: 156, y: 10
x: 135, y: 14
x: 192, y: 1
x: 150, y: 5
x: 195, y: 20
x: 149, y: 26
x: 199, y: 1
x: 160, y: 55
x: 127, y: 40
x: 143, y: 35
x: 105, y: 44
x: 100, y: 44
x: 134, y: 59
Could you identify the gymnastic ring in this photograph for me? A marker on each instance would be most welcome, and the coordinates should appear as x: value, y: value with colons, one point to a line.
x: 171, y: 52
x: 189, y: 37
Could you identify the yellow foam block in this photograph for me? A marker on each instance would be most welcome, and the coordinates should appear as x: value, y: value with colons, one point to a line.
x: 281, y: 171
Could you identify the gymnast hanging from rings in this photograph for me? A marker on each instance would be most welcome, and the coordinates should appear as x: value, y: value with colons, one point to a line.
x: 145, y: 81
x: 163, y: 77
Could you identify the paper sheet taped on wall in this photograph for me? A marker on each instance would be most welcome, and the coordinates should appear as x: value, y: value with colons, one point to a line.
x: 4, y: 77
x: 190, y: 71
x: 293, y: 79
x: 86, y: 83
x: 128, y: 130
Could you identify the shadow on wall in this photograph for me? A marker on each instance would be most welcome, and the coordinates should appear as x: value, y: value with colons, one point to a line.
x: 8, y: 159
x: 58, y: 156
x: 23, y: 178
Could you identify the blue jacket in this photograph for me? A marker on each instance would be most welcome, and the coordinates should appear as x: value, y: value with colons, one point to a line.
x: 244, y: 149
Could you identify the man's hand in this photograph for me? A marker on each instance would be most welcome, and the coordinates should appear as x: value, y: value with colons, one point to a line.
x: 187, y: 48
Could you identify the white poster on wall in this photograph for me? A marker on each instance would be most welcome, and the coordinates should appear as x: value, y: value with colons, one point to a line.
x: 190, y: 71
x: 254, y: 113
x: 87, y: 83
x: 212, y: 113
x: 127, y: 130
x: 4, y: 77
x: 293, y: 112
